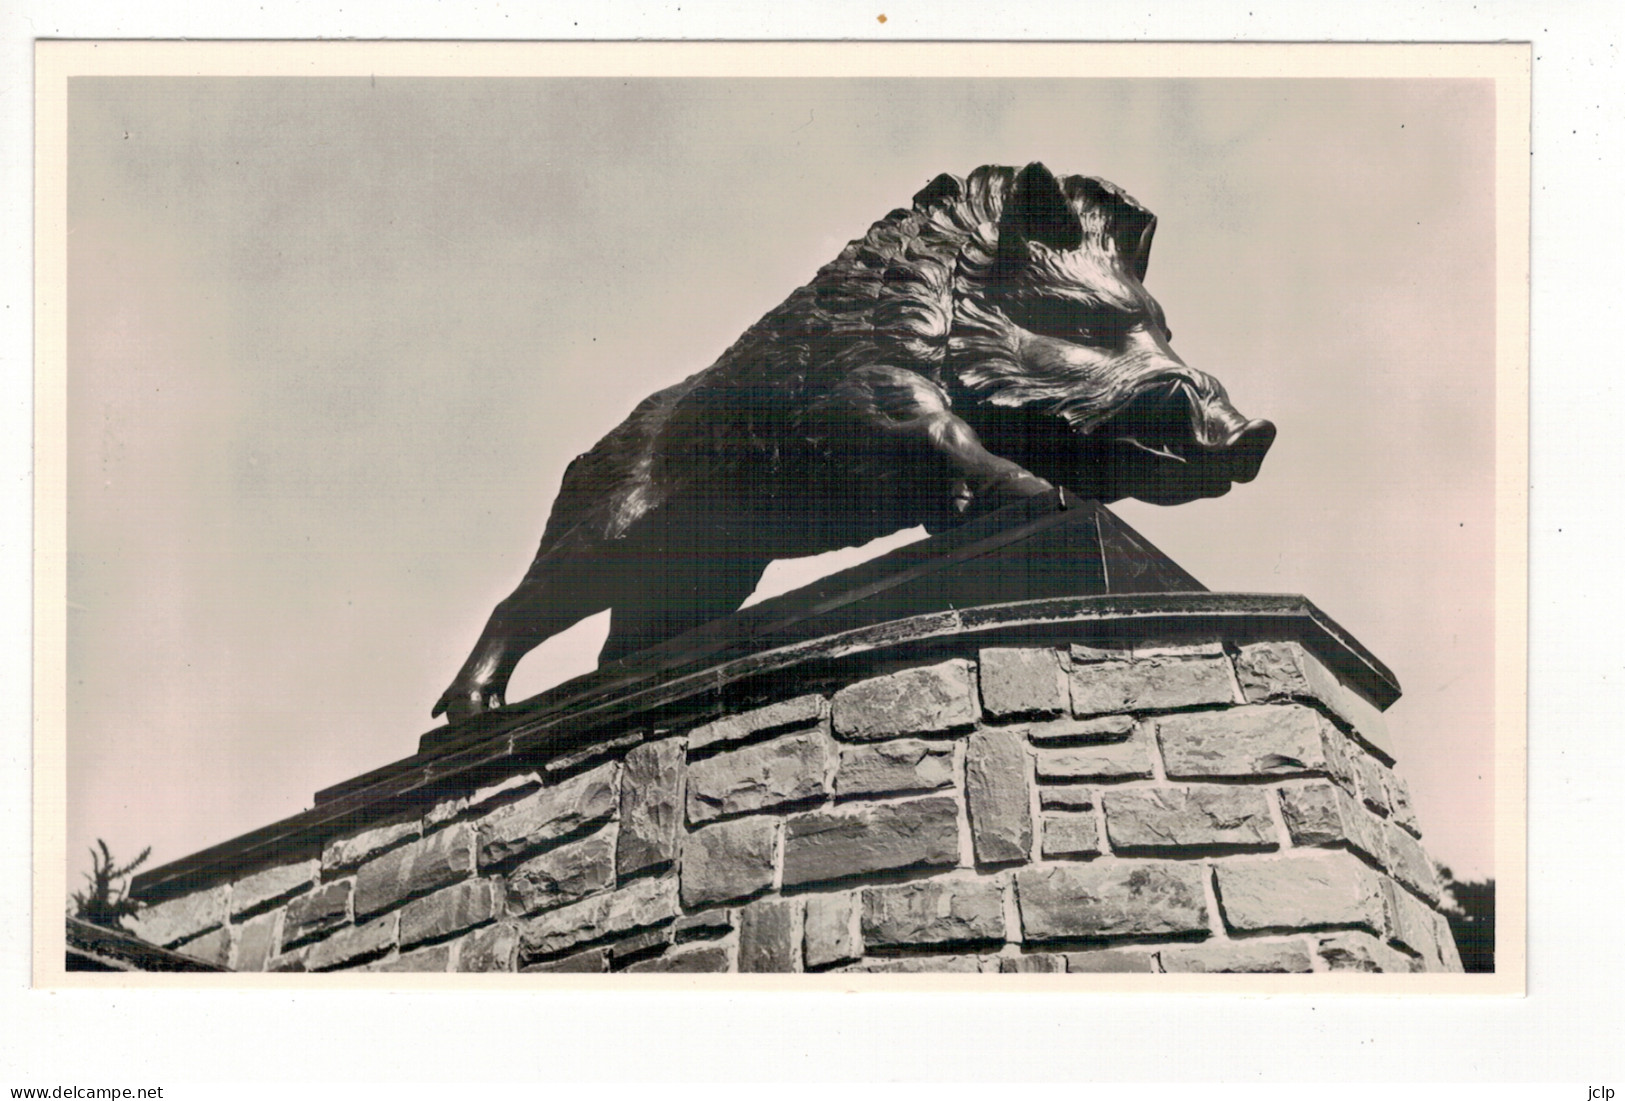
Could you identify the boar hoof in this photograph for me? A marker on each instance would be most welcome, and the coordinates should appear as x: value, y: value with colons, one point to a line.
x: 1006, y: 489
x: 460, y: 702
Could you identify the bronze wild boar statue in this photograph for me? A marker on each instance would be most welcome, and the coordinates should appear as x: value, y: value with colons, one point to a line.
x: 990, y: 342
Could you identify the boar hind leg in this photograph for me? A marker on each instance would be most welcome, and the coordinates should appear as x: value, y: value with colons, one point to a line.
x: 912, y: 414
x: 553, y: 596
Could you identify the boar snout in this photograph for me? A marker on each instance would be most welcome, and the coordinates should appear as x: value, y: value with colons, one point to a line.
x: 1179, y: 441
x: 1236, y: 443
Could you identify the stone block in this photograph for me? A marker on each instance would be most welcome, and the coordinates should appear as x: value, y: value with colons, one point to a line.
x: 352, y: 946
x: 177, y: 919
x: 651, y: 807
x: 591, y: 753
x: 699, y: 959
x: 1100, y: 686
x: 1256, y: 740
x: 1070, y: 836
x: 927, y: 965
x: 1072, y: 797
x: 729, y: 860
x: 1155, y: 648
x: 705, y: 925
x: 416, y: 868
x: 1373, y: 780
x: 785, y: 771
x: 448, y: 912
x: 1238, y: 957
x: 897, y: 767
x: 483, y: 800
x: 1151, y: 684
x: 829, y: 846
x: 1445, y: 939
x: 934, y: 913
x: 1362, y: 952
x: 1275, y: 671
x: 1339, y: 748
x: 1022, y: 682
x: 212, y: 947
x: 830, y: 930
x: 1093, y: 655
x: 287, y: 962
x: 1409, y: 864
x: 435, y: 959
x: 774, y: 718
x: 767, y: 936
x: 592, y: 961
x: 1001, y: 821
x: 1399, y: 800
x: 638, y: 905
x: 446, y: 810
x: 488, y: 949
x: 1108, y: 961
x: 1126, y: 760
x: 1120, y: 898
x: 489, y: 797
x: 1073, y: 732
x: 258, y: 939
x: 319, y: 912
x: 1299, y: 891
x: 348, y: 853
x: 931, y: 700
x: 255, y: 892
x: 638, y: 945
x: 1034, y: 963
x: 1410, y: 924
x: 1319, y: 812
x: 1209, y: 817
x: 550, y: 815
x: 569, y: 873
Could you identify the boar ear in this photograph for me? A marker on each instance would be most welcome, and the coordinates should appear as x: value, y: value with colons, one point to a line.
x: 1130, y: 225
x: 944, y: 188
x: 1134, y: 242
x: 1036, y: 210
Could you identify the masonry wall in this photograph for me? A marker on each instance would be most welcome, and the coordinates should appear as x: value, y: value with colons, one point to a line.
x: 1220, y: 805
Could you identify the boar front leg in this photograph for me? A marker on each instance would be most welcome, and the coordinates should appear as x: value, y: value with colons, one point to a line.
x: 913, y: 412
x: 558, y: 591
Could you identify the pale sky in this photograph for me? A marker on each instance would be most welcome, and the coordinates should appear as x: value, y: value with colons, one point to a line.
x: 333, y: 342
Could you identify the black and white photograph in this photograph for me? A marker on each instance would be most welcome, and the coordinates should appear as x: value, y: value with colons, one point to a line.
x: 790, y: 499
x: 831, y: 541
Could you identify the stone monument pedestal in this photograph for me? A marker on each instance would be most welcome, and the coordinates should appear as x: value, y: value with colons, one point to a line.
x: 993, y: 751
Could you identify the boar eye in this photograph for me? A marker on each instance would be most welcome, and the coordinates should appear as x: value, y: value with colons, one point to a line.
x: 1076, y: 321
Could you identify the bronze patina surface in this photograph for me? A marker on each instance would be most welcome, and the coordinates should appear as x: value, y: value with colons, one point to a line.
x: 988, y: 344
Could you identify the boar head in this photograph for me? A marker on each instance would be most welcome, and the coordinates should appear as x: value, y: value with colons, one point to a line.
x: 1060, y: 358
